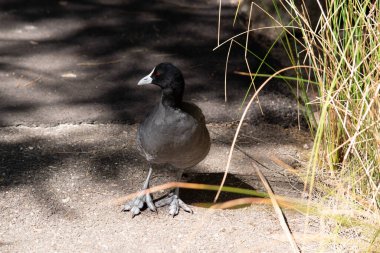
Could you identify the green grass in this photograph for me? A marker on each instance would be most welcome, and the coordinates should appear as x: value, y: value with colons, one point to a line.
x: 343, y: 52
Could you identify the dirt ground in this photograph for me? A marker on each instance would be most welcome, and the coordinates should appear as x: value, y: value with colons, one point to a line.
x: 60, y: 184
x: 69, y: 109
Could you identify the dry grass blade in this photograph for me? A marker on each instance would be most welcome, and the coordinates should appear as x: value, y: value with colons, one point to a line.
x: 225, y: 71
x: 247, y: 35
x: 279, y: 76
x: 241, y: 122
x: 255, y: 29
x: 190, y: 186
x: 32, y: 82
x: 283, y: 165
x: 277, y: 209
x: 99, y: 63
x: 219, y: 14
x: 239, y: 202
x: 245, y: 56
x: 283, y: 202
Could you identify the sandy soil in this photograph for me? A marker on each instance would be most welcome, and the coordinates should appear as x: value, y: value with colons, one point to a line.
x: 59, y: 186
x: 69, y: 109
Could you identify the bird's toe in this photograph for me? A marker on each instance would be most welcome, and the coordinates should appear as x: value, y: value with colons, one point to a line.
x: 174, y: 203
x: 184, y: 206
x: 135, y: 206
x: 149, y: 202
x: 174, y: 207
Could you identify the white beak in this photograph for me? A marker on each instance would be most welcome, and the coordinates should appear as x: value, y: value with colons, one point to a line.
x: 146, y: 79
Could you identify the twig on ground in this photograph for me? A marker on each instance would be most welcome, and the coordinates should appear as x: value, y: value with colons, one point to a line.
x: 277, y: 209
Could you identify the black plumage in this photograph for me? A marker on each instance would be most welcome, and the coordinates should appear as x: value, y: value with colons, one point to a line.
x: 174, y: 133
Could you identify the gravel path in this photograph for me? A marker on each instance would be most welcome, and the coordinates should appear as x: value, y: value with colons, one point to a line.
x: 69, y: 108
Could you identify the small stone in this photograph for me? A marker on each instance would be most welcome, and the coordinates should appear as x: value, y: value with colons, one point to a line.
x: 30, y: 27
x: 66, y: 200
x: 69, y: 75
x: 306, y: 146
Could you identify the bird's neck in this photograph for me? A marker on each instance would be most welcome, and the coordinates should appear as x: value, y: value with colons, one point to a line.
x: 172, y: 98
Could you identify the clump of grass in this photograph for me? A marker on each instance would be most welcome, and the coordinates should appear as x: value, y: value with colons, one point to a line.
x: 345, y: 54
x: 343, y: 51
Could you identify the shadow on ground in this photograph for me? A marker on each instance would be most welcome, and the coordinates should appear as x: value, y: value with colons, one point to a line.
x: 63, y: 182
x: 68, y: 73
x: 79, y: 61
x: 203, y: 196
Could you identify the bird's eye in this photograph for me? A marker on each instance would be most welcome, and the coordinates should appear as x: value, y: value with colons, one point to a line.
x: 157, y: 74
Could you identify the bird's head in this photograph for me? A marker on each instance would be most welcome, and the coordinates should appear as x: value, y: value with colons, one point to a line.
x: 169, y: 78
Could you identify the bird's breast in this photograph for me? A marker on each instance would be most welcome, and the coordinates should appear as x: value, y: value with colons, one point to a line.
x: 174, y: 137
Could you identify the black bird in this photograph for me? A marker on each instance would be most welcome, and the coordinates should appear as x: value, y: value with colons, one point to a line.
x: 174, y: 133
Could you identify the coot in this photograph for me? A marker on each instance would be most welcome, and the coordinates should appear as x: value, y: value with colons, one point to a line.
x: 173, y: 133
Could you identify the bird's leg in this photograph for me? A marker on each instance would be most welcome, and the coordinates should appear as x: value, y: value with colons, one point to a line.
x: 173, y: 200
x: 137, y: 204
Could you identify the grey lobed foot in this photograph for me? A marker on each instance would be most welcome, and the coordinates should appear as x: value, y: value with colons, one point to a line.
x: 135, y: 206
x: 174, y: 203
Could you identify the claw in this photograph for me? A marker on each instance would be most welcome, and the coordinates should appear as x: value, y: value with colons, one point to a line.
x: 137, y: 204
x: 135, y: 211
x: 174, y: 204
x: 174, y: 207
x: 126, y: 207
x: 149, y: 203
x: 184, y: 206
x: 165, y: 201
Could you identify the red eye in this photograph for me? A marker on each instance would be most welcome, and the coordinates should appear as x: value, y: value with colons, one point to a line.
x: 157, y: 74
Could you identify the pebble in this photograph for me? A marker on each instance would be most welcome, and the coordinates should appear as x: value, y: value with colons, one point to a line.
x: 66, y: 200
